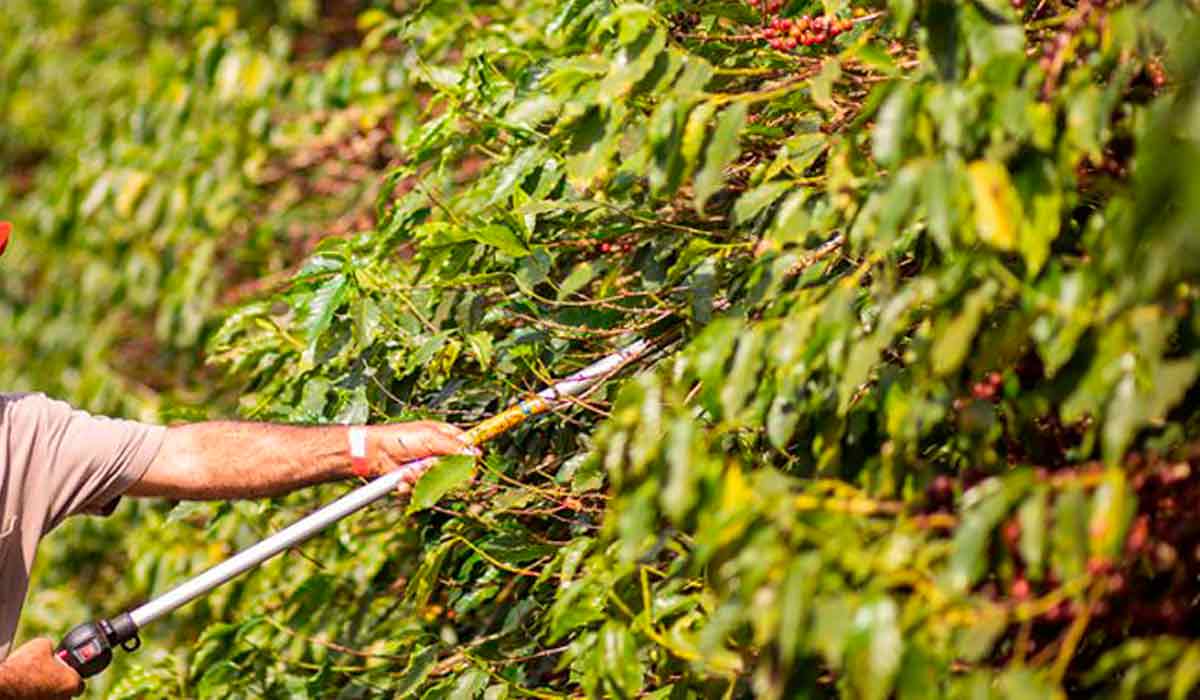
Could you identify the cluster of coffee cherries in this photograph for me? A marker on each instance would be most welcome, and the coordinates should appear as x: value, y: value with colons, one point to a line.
x: 624, y: 245
x: 990, y: 388
x: 786, y: 33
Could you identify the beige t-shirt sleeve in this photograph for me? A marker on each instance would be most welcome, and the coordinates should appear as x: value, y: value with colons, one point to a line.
x: 67, y: 461
x: 56, y: 462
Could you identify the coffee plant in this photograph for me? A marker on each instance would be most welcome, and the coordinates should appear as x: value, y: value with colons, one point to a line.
x: 923, y: 419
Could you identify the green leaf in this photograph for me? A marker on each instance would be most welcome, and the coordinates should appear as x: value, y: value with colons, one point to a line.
x: 470, y: 684
x: 1069, y: 536
x: 754, y: 201
x: 618, y: 661
x: 799, y: 586
x: 419, y: 667
x: 874, y: 649
x: 512, y: 175
x: 985, y: 505
x: 500, y: 237
x: 722, y: 150
x: 1112, y: 509
x: 583, y: 273
x: 1187, y: 674
x: 822, y: 85
x: 1033, y: 518
x: 695, y: 133
x: 578, y: 604
x: 891, y: 128
x: 326, y: 300
x: 481, y: 344
x: 446, y: 475
x: 954, y: 339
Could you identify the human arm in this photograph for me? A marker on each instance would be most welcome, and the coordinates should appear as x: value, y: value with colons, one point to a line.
x: 223, y: 459
x: 32, y: 672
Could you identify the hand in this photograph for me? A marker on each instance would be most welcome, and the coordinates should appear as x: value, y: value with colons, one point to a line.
x: 33, y: 672
x: 392, y: 446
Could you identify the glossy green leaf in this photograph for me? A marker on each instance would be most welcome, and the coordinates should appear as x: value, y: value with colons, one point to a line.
x: 447, y: 474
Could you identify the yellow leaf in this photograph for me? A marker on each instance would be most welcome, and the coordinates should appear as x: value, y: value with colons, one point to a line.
x: 131, y: 191
x: 736, y: 491
x: 997, y: 206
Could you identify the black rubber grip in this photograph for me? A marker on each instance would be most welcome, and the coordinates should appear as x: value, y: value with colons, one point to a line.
x: 89, y: 647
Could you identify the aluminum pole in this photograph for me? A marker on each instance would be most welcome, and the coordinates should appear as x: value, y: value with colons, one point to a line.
x: 377, y: 489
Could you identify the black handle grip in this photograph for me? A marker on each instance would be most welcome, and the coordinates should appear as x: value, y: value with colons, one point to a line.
x: 88, y: 648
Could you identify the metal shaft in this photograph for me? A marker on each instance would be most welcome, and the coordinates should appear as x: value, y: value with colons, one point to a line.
x: 254, y: 555
x: 362, y: 497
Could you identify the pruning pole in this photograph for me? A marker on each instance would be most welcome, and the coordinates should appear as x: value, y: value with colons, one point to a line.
x: 89, y: 647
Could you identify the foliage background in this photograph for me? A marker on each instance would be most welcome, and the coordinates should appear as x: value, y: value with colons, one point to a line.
x: 929, y: 430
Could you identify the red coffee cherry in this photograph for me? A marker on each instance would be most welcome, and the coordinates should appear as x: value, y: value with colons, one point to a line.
x: 983, y: 391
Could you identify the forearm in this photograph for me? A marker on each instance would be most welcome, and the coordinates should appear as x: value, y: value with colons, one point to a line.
x: 224, y: 459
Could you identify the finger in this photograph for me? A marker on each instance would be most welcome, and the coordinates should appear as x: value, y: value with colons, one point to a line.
x: 446, y: 440
x: 460, y: 437
x: 450, y: 431
x: 415, y: 470
x: 463, y: 438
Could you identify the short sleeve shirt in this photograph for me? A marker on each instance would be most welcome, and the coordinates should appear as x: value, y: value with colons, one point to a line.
x: 56, y: 462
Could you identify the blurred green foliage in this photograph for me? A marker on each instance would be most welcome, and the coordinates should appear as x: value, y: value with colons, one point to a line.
x: 928, y: 432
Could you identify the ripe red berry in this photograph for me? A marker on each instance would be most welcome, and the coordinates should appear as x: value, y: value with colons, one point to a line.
x: 983, y: 391
x: 5, y: 232
x: 1011, y: 532
x: 1139, y: 534
x: 790, y: 43
x: 1116, y: 583
x: 995, y: 379
x: 605, y: 247
x: 1098, y: 566
x: 1020, y: 589
x: 940, y: 491
x: 1158, y: 75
